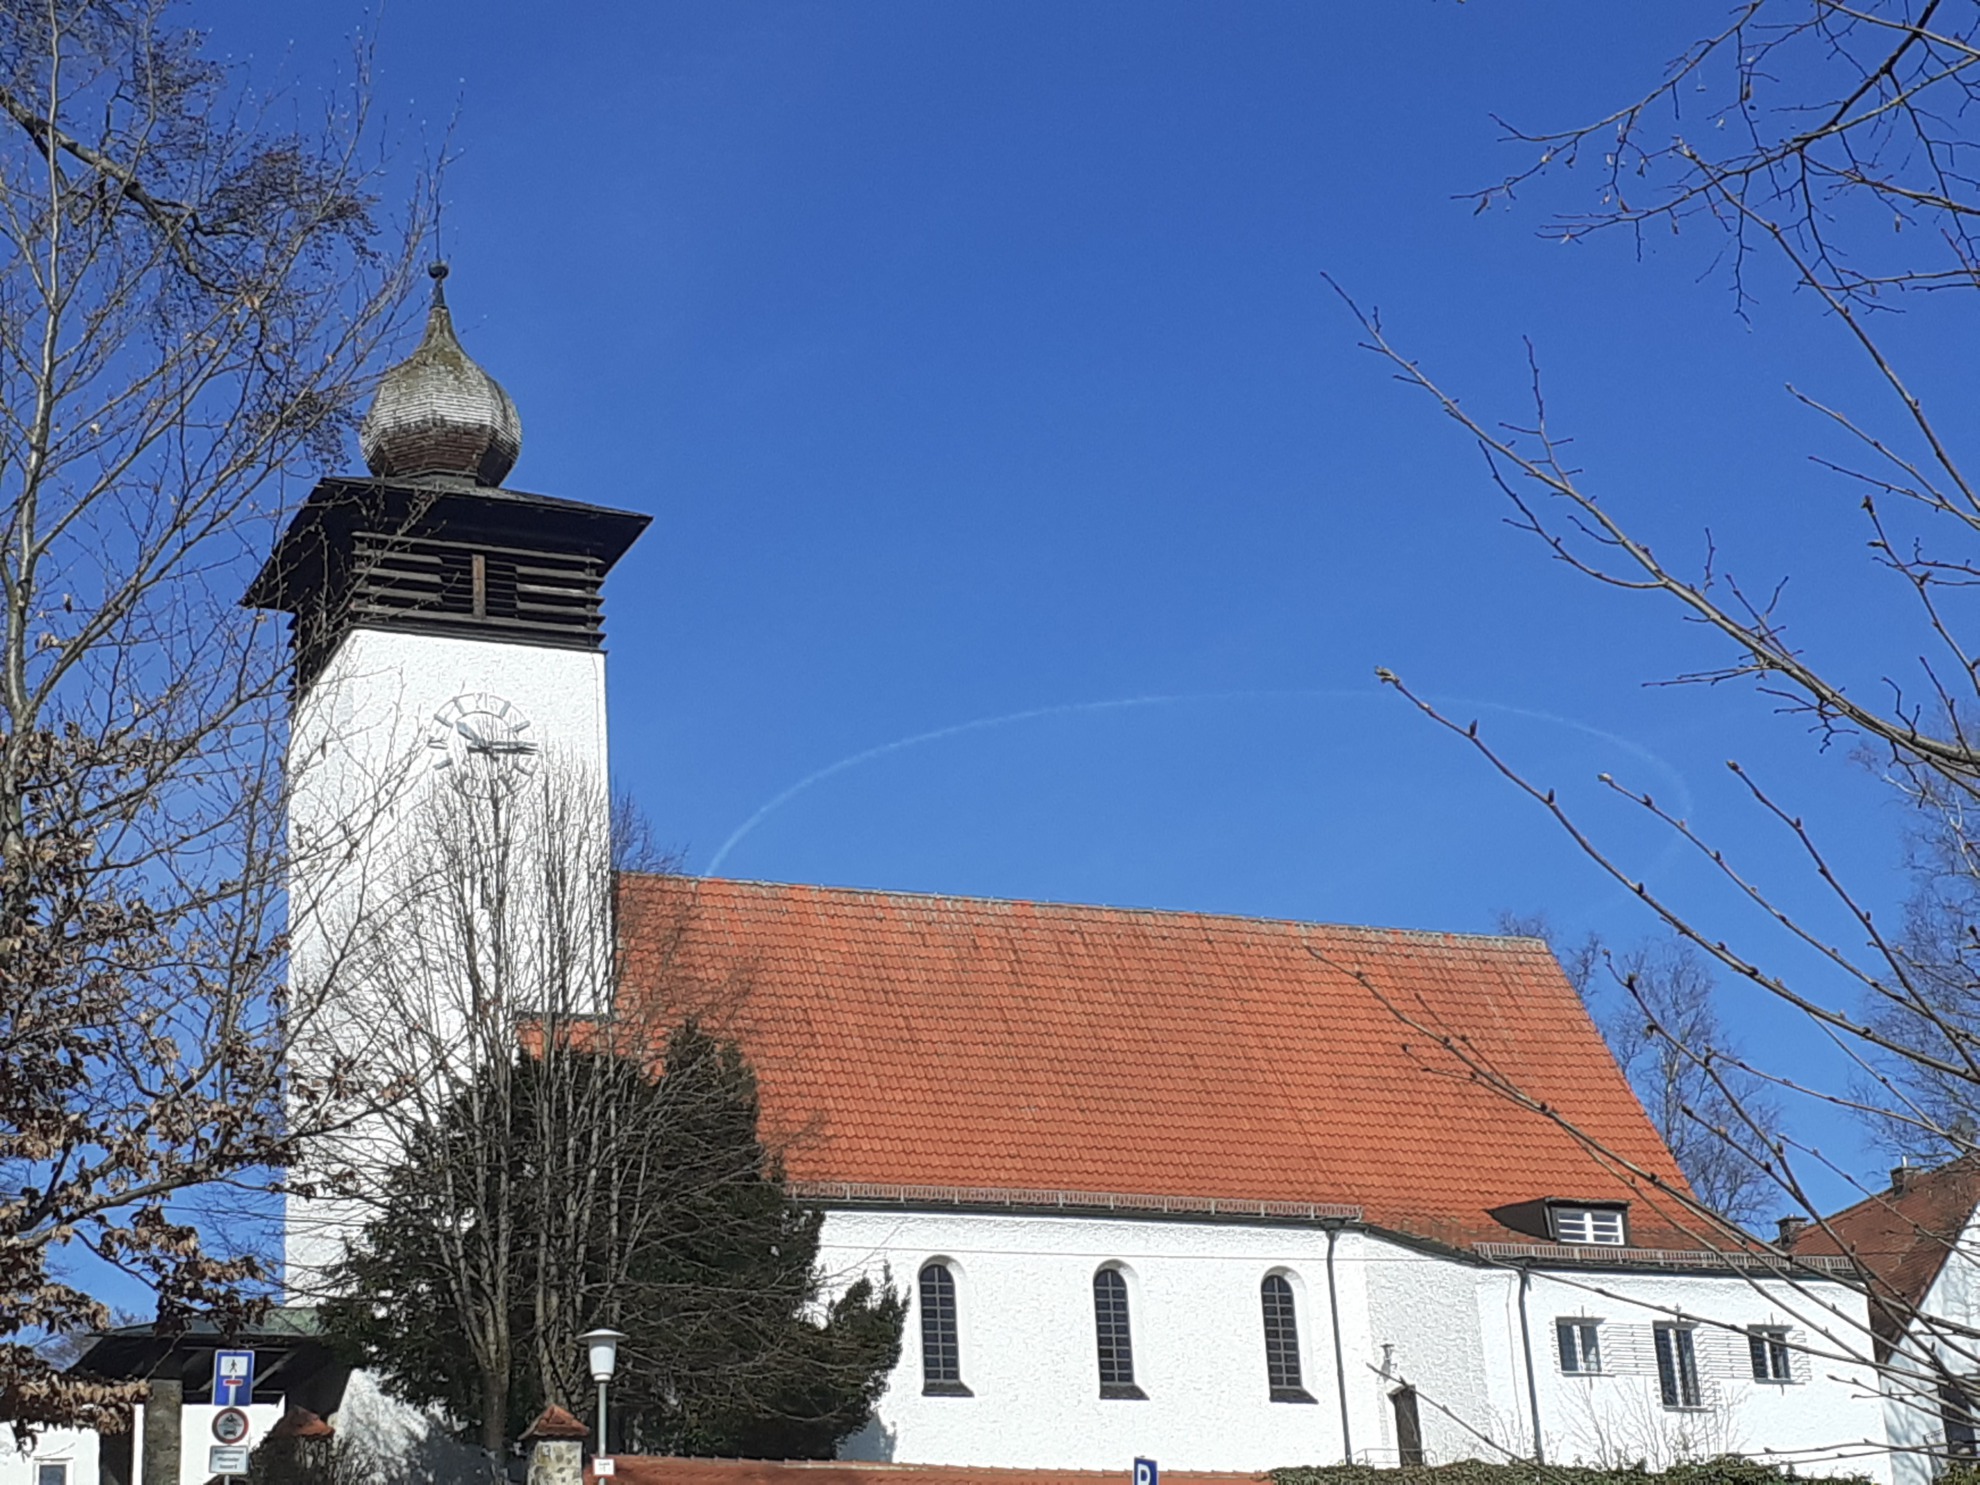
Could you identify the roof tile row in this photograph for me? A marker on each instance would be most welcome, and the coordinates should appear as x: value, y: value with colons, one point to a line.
x: 959, y: 1042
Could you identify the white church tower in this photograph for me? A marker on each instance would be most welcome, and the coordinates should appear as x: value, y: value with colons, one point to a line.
x: 445, y: 629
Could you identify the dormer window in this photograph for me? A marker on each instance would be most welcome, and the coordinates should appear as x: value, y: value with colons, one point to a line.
x: 1579, y: 1226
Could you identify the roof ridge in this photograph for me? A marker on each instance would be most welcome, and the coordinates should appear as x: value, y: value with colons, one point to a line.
x: 1886, y: 1199
x: 1437, y: 934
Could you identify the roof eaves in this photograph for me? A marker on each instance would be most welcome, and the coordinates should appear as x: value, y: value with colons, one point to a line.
x: 1603, y: 1256
x: 867, y: 1194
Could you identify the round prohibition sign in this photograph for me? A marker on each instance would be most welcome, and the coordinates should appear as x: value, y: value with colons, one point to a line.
x: 230, y: 1425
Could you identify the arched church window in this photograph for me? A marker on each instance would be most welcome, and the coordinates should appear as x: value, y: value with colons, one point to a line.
x: 1116, y: 1339
x: 941, y: 1346
x: 1281, y: 1341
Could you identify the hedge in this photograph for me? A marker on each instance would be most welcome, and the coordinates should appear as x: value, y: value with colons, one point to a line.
x: 1729, y: 1469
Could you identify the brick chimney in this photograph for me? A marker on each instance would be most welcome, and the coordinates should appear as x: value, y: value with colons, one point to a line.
x: 1791, y: 1228
x: 1901, y: 1178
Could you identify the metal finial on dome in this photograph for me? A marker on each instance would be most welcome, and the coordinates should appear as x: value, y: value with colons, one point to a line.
x: 438, y: 413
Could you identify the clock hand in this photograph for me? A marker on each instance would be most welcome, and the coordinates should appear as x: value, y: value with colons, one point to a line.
x: 499, y: 748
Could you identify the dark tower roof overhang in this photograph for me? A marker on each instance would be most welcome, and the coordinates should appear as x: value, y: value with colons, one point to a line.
x: 339, y: 507
x: 442, y: 555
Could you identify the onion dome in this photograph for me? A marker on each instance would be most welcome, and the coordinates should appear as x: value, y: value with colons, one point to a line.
x: 437, y: 413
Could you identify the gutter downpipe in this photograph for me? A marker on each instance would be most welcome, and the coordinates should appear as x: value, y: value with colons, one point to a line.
x: 1340, y: 1364
x: 1532, y: 1387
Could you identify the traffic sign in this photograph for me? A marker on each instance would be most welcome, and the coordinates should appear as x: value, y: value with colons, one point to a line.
x: 227, y: 1459
x: 1146, y: 1473
x: 233, y: 1378
x: 603, y: 1467
x: 230, y: 1426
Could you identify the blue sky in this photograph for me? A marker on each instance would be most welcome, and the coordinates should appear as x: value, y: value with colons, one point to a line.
x: 1017, y: 480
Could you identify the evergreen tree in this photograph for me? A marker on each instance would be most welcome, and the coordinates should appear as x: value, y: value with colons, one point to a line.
x: 698, y: 1255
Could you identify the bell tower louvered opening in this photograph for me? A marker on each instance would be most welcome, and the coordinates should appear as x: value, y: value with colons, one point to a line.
x: 551, y: 597
x: 472, y: 562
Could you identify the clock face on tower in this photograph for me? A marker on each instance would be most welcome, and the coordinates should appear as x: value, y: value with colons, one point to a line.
x: 479, y: 737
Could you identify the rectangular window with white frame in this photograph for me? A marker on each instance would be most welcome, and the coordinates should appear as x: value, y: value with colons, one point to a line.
x: 1589, y: 1227
x: 1677, y: 1367
x: 1767, y: 1348
x: 51, y: 1472
x: 1580, y: 1341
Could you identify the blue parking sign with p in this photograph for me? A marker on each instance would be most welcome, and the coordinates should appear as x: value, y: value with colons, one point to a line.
x: 233, y: 1378
x: 1145, y: 1472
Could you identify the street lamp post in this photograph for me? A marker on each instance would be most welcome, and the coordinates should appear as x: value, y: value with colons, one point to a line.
x: 602, y: 1347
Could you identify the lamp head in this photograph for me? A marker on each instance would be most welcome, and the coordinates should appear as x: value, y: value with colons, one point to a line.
x: 602, y: 1346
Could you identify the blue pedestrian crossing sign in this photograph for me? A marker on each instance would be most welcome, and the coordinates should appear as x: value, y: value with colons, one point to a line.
x: 1145, y: 1473
x: 233, y: 1378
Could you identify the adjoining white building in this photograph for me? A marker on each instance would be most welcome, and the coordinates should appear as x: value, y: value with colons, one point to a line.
x: 1227, y: 1192
x: 1919, y: 1244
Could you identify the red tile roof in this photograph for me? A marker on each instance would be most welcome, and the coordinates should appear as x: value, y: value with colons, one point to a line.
x: 1899, y: 1237
x: 634, y: 1469
x: 907, y: 1041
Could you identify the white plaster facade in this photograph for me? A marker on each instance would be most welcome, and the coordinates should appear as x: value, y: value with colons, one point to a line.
x: 1447, y: 1326
x: 61, y: 1456
x: 1942, y: 1340
x: 75, y: 1451
x: 369, y: 739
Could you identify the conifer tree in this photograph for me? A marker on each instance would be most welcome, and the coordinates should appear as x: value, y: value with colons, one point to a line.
x: 698, y: 1256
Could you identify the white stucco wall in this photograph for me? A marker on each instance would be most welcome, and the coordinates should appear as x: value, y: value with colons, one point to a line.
x: 1025, y: 1320
x: 361, y: 758
x: 1946, y: 1331
x: 74, y: 1449
x: 1829, y: 1419
x: 1427, y: 1331
x: 1408, y: 1317
x: 78, y: 1448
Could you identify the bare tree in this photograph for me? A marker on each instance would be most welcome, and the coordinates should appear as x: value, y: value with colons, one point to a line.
x: 1656, y: 1006
x: 559, y: 1157
x: 497, y: 936
x: 1796, y: 137
x: 193, y: 289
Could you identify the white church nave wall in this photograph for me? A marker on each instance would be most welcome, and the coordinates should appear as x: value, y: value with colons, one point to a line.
x: 1408, y: 1318
x: 1026, y: 1321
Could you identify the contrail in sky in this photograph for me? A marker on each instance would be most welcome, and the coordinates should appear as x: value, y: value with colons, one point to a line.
x: 1126, y: 703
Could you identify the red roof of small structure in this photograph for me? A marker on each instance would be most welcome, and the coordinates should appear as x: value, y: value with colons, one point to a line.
x: 556, y: 1423
x: 926, y: 1045
x: 635, y: 1469
x: 1900, y: 1237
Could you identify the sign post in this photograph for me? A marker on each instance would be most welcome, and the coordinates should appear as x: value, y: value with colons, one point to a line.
x: 1147, y: 1473
x: 233, y: 1390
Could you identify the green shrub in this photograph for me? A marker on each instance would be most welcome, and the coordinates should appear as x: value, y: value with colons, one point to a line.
x: 1729, y: 1469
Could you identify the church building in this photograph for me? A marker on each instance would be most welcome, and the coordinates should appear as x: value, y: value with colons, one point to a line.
x: 1224, y: 1192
